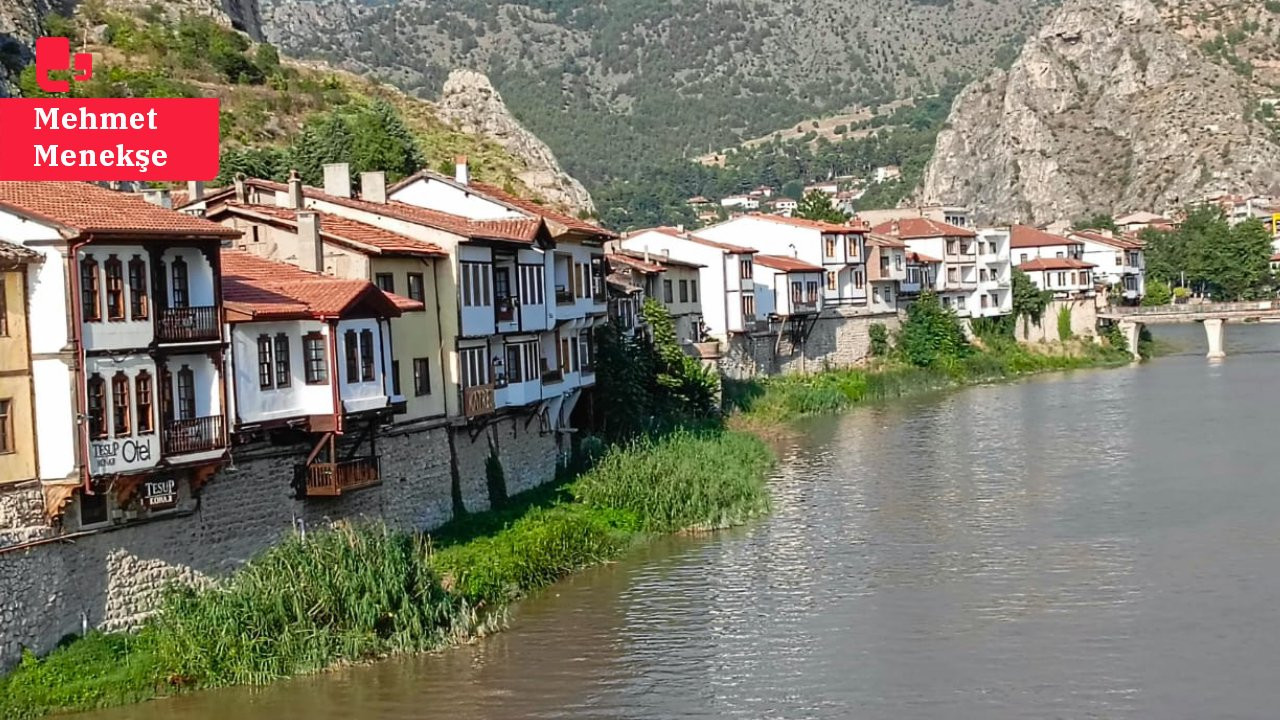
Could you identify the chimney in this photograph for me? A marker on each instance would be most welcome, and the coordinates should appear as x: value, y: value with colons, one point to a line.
x: 337, y: 179
x: 242, y: 195
x: 158, y: 197
x: 373, y: 187
x: 646, y: 253
x: 680, y: 228
x: 461, y: 173
x: 195, y: 190
x: 295, y: 190
x: 310, y: 246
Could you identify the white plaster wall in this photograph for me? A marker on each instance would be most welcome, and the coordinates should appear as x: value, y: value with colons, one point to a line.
x: 127, y: 333
x: 358, y: 395
x: 712, y: 276
x: 436, y: 195
x: 199, y: 275
x: 56, y: 426
x: 252, y: 403
x: 132, y: 451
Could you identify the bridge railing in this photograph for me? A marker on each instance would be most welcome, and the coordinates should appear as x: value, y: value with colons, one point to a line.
x: 1197, y: 309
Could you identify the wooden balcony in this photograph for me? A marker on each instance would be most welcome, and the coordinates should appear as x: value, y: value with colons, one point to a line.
x: 189, y: 324
x: 477, y: 401
x: 196, y: 435
x: 334, y: 479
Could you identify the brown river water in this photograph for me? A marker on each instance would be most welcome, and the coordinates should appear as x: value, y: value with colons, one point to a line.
x: 1102, y: 544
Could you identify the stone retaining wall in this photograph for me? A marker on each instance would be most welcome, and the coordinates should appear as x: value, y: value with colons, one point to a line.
x: 839, y: 337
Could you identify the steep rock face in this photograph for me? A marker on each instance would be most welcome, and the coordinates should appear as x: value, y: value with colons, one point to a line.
x: 243, y: 15
x: 471, y: 102
x: 1105, y: 109
x: 19, y: 28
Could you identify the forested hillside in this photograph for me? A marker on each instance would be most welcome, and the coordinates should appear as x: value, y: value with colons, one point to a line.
x: 614, y: 86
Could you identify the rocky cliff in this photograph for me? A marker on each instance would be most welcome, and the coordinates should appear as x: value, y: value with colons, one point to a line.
x: 19, y: 28
x: 471, y: 102
x: 1107, y: 108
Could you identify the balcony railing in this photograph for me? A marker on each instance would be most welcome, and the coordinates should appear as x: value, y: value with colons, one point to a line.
x: 333, y: 479
x: 798, y: 308
x: 564, y: 297
x: 197, y: 435
x: 477, y: 401
x: 189, y: 324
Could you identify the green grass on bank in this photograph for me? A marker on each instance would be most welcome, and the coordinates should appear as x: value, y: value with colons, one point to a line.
x: 359, y: 593
x: 780, y: 399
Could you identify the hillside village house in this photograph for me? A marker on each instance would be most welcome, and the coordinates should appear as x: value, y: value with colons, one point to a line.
x: 17, y: 415
x: 886, y: 271
x: 1053, y: 262
x: 312, y: 353
x: 949, y: 214
x: 1139, y: 221
x: 672, y: 283
x: 726, y: 275
x: 1118, y: 261
x: 787, y: 287
x: 956, y: 272
x: 840, y: 250
x: 126, y: 312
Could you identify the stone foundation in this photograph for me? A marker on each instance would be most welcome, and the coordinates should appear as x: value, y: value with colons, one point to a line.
x: 838, y: 338
x: 1084, y: 321
x: 113, y: 578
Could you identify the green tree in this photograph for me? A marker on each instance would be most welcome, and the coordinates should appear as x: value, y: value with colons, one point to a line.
x: 685, y: 389
x: 1099, y: 221
x: 1241, y: 270
x: 931, y: 333
x: 1029, y: 301
x: 793, y: 189
x: 1157, y: 292
x: 1064, y: 323
x: 817, y: 205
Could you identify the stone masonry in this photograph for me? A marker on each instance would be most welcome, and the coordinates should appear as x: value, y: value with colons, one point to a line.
x: 840, y: 337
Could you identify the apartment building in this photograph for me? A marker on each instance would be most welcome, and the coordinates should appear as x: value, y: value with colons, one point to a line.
x: 947, y: 254
x: 725, y: 275
x: 994, y: 294
x: 840, y: 250
x: 127, y: 346
x: 1053, y: 262
x: 1118, y: 261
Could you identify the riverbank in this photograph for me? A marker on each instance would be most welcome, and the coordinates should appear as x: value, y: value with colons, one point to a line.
x: 764, y: 406
x: 355, y: 594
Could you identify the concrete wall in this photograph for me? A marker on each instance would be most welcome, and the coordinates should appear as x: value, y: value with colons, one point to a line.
x: 839, y: 338
x: 114, y: 578
x: 1084, y: 321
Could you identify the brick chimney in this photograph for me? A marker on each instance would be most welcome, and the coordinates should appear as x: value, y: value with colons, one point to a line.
x: 461, y: 173
x: 373, y: 186
x: 195, y: 190
x: 337, y: 179
x: 295, y: 190
x: 310, y: 245
x: 896, y: 228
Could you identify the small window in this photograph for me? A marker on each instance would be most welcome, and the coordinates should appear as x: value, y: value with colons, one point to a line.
x: 416, y: 287
x: 4, y: 308
x: 120, y: 402
x: 693, y: 291
x: 797, y: 291
x: 317, y: 362
x: 668, y: 296
x: 684, y: 291
x: 395, y: 378
x: 186, y: 394
x: 421, y: 377
x: 146, y: 405
x: 93, y: 509
x: 139, y: 305
x: 1023, y: 258
x: 366, y: 355
x: 6, y: 426
x: 858, y: 279
x: 829, y: 247
x: 115, y: 288
x: 587, y: 352
x: 831, y: 281
x: 748, y: 307
x: 745, y: 269
x: 812, y: 291
x: 284, y: 368
x: 96, y: 407
x: 351, y: 345
x: 91, y: 309
x: 386, y: 282
x: 515, y: 369
x: 266, y: 377
x: 181, y: 296
x: 853, y: 247
x: 475, y: 284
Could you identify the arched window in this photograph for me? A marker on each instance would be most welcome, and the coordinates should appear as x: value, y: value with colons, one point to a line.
x: 115, y: 288
x: 91, y: 308
x: 120, y: 401
x: 146, y: 403
x: 96, y: 407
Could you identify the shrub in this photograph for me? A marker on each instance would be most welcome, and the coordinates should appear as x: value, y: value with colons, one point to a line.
x: 931, y: 333
x: 879, y: 339
x: 1064, y: 323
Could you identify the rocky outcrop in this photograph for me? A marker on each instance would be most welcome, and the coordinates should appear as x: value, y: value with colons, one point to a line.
x: 1107, y: 108
x: 19, y: 28
x: 471, y: 102
x: 243, y: 15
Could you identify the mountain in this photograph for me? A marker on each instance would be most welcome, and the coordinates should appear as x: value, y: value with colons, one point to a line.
x: 1112, y: 107
x: 614, y: 86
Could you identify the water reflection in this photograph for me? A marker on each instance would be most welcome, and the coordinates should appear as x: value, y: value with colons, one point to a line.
x: 1099, y: 544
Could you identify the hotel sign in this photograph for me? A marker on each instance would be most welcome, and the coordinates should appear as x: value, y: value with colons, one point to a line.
x: 160, y: 494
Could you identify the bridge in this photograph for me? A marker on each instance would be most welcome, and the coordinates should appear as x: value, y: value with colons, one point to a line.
x: 1214, y: 317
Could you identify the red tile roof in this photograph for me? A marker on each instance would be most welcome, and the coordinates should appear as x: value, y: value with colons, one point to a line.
x: 1035, y: 264
x: 267, y: 290
x: 786, y: 264
x: 1275, y: 258
x: 374, y: 240
x: 12, y: 255
x: 520, y: 231
x: 919, y: 258
x: 887, y: 241
x: 634, y: 263
x: 662, y: 260
x: 1115, y: 241
x: 921, y: 228
x: 812, y: 224
x: 1024, y: 236
x: 88, y: 209
x: 739, y: 249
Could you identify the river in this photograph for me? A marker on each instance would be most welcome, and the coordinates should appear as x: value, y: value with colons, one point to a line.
x: 1101, y: 544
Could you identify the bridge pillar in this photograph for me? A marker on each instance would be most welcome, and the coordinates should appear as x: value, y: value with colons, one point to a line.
x: 1213, y: 330
x: 1132, y: 331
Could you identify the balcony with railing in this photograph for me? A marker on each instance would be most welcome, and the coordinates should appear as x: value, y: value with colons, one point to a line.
x: 478, y: 401
x: 189, y: 324
x: 194, y: 435
x: 333, y: 479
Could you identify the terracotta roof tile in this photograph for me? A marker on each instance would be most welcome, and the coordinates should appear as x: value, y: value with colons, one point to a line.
x: 1115, y: 241
x: 12, y: 255
x: 921, y: 228
x: 786, y: 264
x: 90, y: 209
x: 888, y: 241
x: 1024, y: 236
x: 346, y: 231
x: 812, y: 224
x: 661, y: 260
x: 634, y: 263
x: 268, y: 290
x: 727, y: 247
x: 1035, y: 264
x: 919, y: 258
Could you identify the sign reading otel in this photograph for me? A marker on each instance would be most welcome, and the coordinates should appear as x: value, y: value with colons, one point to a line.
x: 141, y: 139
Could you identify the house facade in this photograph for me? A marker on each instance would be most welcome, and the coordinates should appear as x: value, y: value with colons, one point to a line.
x: 127, y: 347
x: 886, y: 271
x: 1119, y: 262
x: 994, y: 295
x: 1053, y: 262
x: 953, y: 252
x: 676, y: 285
x: 17, y: 411
x: 787, y: 287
